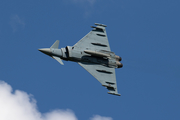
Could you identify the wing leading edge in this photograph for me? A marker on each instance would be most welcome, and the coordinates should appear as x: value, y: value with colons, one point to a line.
x: 96, y: 39
x: 106, y: 76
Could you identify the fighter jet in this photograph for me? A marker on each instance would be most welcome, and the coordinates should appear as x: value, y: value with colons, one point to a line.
x: 93, y: 53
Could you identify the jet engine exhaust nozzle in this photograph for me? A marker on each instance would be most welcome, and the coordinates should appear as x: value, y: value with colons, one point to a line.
x: 118, y: 58
x: 120, y: 65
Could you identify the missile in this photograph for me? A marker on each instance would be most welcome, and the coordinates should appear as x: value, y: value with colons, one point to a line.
x: 98, y: 54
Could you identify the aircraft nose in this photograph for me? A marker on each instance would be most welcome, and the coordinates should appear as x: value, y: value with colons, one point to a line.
x: 46, y: 51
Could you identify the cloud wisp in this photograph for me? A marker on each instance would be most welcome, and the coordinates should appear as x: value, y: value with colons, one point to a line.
x: 91, y: 2
x: 86, y: 5
x: 16, y: 23
x: 19, y: 105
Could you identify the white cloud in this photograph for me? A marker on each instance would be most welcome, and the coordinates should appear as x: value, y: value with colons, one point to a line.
x: 19, y: 105
x: 98, y: 117
x: 16, y: 23
x: 60, y: 115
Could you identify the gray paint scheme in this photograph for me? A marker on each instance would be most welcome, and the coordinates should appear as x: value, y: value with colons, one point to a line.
x: 93, y: 53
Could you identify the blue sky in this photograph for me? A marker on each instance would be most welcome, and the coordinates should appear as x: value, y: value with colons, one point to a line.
x: 145, y: 33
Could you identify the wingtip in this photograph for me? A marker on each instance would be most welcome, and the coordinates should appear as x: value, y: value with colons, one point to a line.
x: 114, y: 93
x: 99, y: 24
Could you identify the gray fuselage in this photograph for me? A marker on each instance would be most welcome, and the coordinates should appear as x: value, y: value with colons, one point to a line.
x: 78, y: 55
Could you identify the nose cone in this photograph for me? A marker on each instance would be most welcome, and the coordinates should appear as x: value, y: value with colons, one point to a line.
x: 46, y: 51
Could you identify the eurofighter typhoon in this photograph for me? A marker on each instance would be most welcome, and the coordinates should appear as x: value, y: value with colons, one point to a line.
x: 93, y: 53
